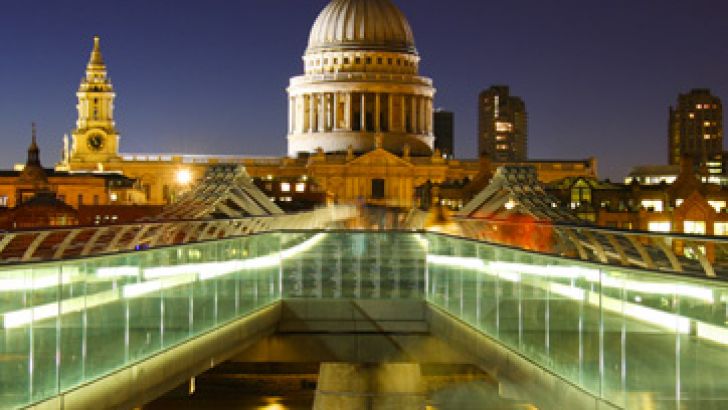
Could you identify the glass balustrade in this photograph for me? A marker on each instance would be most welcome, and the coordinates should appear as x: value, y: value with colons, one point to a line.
x: 635, y: 338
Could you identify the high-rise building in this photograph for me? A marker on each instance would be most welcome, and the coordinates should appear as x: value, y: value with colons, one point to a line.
x: 445, y: 132
x: 503, y: 125
x: 696, y: 130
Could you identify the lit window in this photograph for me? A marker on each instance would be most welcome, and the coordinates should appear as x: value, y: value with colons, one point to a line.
x: 301, y: 187
x: 678, y: 202
x: 653, y: 205
x: 659, y: 226
x: 502, y: 147
x: 694, y: 227
x: 706, y: 136
x: 503, y: 126
x: 285, y: 187
x: 113, y: 197
x: 717, y: 205
x: 699, y: 106
x: 706, y: 124
x: 720, y: 229
x: 501, y: 137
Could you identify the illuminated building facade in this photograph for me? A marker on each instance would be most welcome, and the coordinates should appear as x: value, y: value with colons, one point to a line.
x: 696, y: 130
x: 685, y: 205
x: 361, y: 80
x: 361, y: 126
x: 502, y: 125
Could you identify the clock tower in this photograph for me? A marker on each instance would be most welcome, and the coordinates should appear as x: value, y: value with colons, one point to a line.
x: 95, y: 139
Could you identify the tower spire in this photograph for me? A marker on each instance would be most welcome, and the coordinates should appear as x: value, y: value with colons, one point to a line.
x: 96, y: 60
x: 33, y: 150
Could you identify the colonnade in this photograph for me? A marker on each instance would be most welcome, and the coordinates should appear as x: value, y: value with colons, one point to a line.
x: 360, y: 112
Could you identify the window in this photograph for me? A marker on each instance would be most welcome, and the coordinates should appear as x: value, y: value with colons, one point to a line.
x: 285, y: 187
x: 379, y: 60
x: 694, y: 227
x: 301, y: 187
x: 357, y: 60
x: 113, y: 197
x: 719, y: 206
x: 720, y: 229
x: 660, y: 226
x: 378, y: 188
x: 652, y: 205
x: 503, y: 126
x: 369, y: 60
x: 96, y: 199
x: 678, y: 202
x: 80, y: 199
x: 346, y: 60
x: 4, y: 200
x: 580, y: 193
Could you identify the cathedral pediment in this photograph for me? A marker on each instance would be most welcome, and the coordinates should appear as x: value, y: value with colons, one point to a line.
x: 380, y: 157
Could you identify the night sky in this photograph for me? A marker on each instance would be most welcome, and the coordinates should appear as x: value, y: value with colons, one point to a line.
x: 210, y: 76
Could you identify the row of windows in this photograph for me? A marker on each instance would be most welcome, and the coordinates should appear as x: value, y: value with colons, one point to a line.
x: 367, y: 60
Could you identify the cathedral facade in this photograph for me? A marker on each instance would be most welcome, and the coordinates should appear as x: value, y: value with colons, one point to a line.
x: 360, y: 120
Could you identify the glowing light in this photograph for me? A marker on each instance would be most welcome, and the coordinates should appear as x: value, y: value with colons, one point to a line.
x: 184, y: 176
x: 117, y: 271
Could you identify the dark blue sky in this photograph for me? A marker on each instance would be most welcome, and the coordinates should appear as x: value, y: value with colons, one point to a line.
x: 210, y: 76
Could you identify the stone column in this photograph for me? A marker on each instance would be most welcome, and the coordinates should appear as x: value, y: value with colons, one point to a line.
x: 421, y: 107
x: 390, y: 113
x: 413, y: 113
x: 291, y: 122
x: 403, y: 114
x: 377, y: 113
x: 363, y: 112
x: 336, y: 111
x: 347, y: 111
x: 312, y: 113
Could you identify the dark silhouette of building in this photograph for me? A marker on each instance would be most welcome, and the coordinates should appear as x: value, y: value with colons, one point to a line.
x: 445, y: 132
x: 503, y: 125
x: 696, y: 130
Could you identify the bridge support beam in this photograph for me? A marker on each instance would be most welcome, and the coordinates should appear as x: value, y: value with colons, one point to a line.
x: 519, y: 378
x: 144, y: 381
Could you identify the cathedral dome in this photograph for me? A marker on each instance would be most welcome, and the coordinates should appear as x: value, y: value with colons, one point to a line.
x: 361, y: 25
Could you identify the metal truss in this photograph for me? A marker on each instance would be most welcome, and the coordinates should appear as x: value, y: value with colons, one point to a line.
x: 63, y: 243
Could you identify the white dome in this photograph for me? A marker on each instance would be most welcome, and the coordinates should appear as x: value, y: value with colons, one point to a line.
x: 361, y: 25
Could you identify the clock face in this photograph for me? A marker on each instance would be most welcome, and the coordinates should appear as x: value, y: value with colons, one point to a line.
x: 96, y: 142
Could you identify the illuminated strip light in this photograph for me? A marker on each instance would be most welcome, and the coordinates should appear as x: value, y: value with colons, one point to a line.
x: 31, y: 279
x: 472, y: 263
x: 712, y: 333
x: 669, y: 321
x: 27, y: 316
x: 660, y: 288
x: 567, y: 291
x: 303, y: 246
x: 456, y: 261
x: 593, y: 275
x: 117, y: 272
x: 140, y: 289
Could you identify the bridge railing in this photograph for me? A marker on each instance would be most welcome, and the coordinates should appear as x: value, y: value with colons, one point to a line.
x: 636, y: 338
x: 628, y: 335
